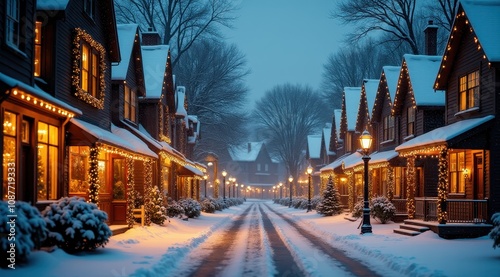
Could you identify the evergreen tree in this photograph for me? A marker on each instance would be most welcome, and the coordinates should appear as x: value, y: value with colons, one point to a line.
x: 330, y: 203
x: 157, y: 211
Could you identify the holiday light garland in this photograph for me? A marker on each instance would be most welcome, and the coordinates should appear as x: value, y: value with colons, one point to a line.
x: 350, y: 184
x: 390, y: 183
x: 94, y: 175
x: 410, y: 187
x: 442, y: 186
x: 148, y: 190
x: 79, y: 36
x: 130, y: 193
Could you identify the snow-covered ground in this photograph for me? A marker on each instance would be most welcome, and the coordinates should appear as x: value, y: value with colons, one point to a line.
x: 166, y: 250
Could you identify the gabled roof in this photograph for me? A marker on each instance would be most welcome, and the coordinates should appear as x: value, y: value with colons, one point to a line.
x: 388, y: 83
x: 126, y: 37
x: 367, y: 99
x: 484, y: 19
x: 370, y: 86
x: 420, y: 72
x: 327, y: 130
x: 247, y: 152
x: 338, y: 115
x: 352, y: 98
x: 314, y: 146
x: 154, y: 60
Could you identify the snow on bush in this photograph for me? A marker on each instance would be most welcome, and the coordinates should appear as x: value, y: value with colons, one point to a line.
x: 358, y: 209
x: 495, y: 232
x: 191, y: 207
x: 382, y: 209
x: 75, y: 225
x: 20, y: 234
x: 207, y: 205
x: 330, y: 203
x: 174, y: 209
x: 156, y: 210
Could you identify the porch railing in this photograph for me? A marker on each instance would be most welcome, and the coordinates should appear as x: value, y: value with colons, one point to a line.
x: 400, y: 205
x: 344, y: 200
x: 459, y: 210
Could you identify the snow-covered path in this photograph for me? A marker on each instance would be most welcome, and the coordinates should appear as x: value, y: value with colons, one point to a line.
x: 260, y: 242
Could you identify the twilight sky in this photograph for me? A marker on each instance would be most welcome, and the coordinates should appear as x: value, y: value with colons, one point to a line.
x: 285, y: 41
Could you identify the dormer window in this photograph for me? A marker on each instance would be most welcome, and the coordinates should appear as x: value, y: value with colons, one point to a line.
x: 89, y: 8
x: 88, y: 69
x: 388, y: 128
x: 469, y: 91
x: 12, y: 23
x: 129, y: 107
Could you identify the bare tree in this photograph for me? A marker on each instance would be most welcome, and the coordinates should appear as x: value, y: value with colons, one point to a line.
x: 443, y: 13
x: 350, y: 65
x: 396, y: 17
x: 213, y: 74
x: 181, y: 22
x: 285, y: 116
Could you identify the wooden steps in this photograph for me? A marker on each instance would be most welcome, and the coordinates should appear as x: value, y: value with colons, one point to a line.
x: 409, y: 229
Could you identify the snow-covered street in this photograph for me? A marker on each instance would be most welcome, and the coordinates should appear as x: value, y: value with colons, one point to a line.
x: 239, y: 242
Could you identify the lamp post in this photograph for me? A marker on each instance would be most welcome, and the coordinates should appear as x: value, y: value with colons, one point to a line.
x: 366, y: 141
x: 224, y: 173
x: 281, y: 190
x: 235, y: 186
x: 205, y: 177
x: 290, y: 179
x: 309, y: 171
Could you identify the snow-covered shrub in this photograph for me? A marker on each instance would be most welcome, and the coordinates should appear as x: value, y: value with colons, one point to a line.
x: 191, y: 207
x: 315, y: 201
x: 330, y: 203
x: 25, y: 232
x: 207, y: 205
x: 156, y: 210
x: 495, y: 232
x: 174, y: 209
x: 75, y: 225
x: 382, y: 209
x: 297, y: 202
x: 358, y: 209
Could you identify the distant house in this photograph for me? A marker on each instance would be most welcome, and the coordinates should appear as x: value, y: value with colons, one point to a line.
x: 254, y: 166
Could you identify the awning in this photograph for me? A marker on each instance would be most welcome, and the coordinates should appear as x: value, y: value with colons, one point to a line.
x: 189, y: 170
x: 36, y: 97
x: 338, y: 162
x: 84, y: 133
x: 449, y: 136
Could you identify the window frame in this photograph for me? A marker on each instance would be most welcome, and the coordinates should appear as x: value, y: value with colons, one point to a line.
x: 456, y: 166
x: 469, y: 91
x: 411, y: 115
x: 388, y: 125
x: 129, y: 104
x: 83, y: 38
x: 13, y: 15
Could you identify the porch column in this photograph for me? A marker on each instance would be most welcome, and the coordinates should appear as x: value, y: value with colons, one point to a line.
x: 130, y: 193
x: 442, y: 185
x: 94, y: 174
x: 148, y: 183
x: 390, y: 183
x: 410, y: 186
x: 350, y: 184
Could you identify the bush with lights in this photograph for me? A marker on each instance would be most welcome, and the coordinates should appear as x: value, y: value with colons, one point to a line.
x: 30, y: 232
x: 75, y: 225
x: 156, y: 211
x: 330, y: 202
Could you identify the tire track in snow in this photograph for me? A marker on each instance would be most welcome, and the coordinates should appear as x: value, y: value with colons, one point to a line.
x: 354, y: 266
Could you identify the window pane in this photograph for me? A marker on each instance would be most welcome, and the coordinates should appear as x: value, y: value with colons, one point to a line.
x: 102, y: 176
x: 43, y: 132
x: 453, y: 182
x: 9, y: 159
x: 52, y: 171
x: 453, y: 162
x: 9, y: 123
x: 78, y: 169
x: 126, y: 107
x: 85, y: 67
x: 41, y: 176
x: 463, y: 100
x: 53, y: 135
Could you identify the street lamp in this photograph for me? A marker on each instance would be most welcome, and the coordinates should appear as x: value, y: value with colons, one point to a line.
x: 309, y: 171
x: 205, y: 177
x: 235, y: 186
x: 224, y: 173
x: 281, y: 190
x: 290, y: 179
x: 366, y: 141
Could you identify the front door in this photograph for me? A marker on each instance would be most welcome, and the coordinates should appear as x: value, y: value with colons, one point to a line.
x: 119, y: 193
x: 478, y: 176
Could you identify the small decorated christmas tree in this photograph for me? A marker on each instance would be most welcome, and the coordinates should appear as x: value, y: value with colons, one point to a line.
x: 157, y: 211
x: 330, y: 203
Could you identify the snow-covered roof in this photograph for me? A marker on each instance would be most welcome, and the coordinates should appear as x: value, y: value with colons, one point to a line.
x: 380, y: 157
x: 52, y: 5
x: 484, y: 17
x: 314, y: 146
x: 346, y: 159
x: 180, y: 94
x: 352, y: 99
x: 247, y: 152
x: 37, y: 93
x: 143, y: 134
x: 327, y: 131
x: 422, y: 71
x: 193, y: 169
x: 126, y: 39
x: 154, y: 60
x: 443, y: 134
x: 391, y: 75
x: 118, y: 137
x: 371, y: 86
x: 338, y: 116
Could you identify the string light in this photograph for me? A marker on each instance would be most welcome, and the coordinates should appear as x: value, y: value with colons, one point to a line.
x: 94, y: 175
x: 79, y: 36
x: 130, y: 193
x: 148, y: 189
x: 30, y: 99
x: 442, y: 186
x: 410, y: 187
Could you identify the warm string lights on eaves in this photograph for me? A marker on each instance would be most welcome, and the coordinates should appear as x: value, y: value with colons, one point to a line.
x: 452, y: 37
x: 28, y: 98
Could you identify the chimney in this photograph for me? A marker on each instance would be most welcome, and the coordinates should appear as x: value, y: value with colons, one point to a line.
x: 431, y: 39
x: 151, y: 37
x: 249, y: 147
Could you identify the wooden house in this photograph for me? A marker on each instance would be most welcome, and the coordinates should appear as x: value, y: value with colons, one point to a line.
x: 466, y: 148
x: 34, y: 120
